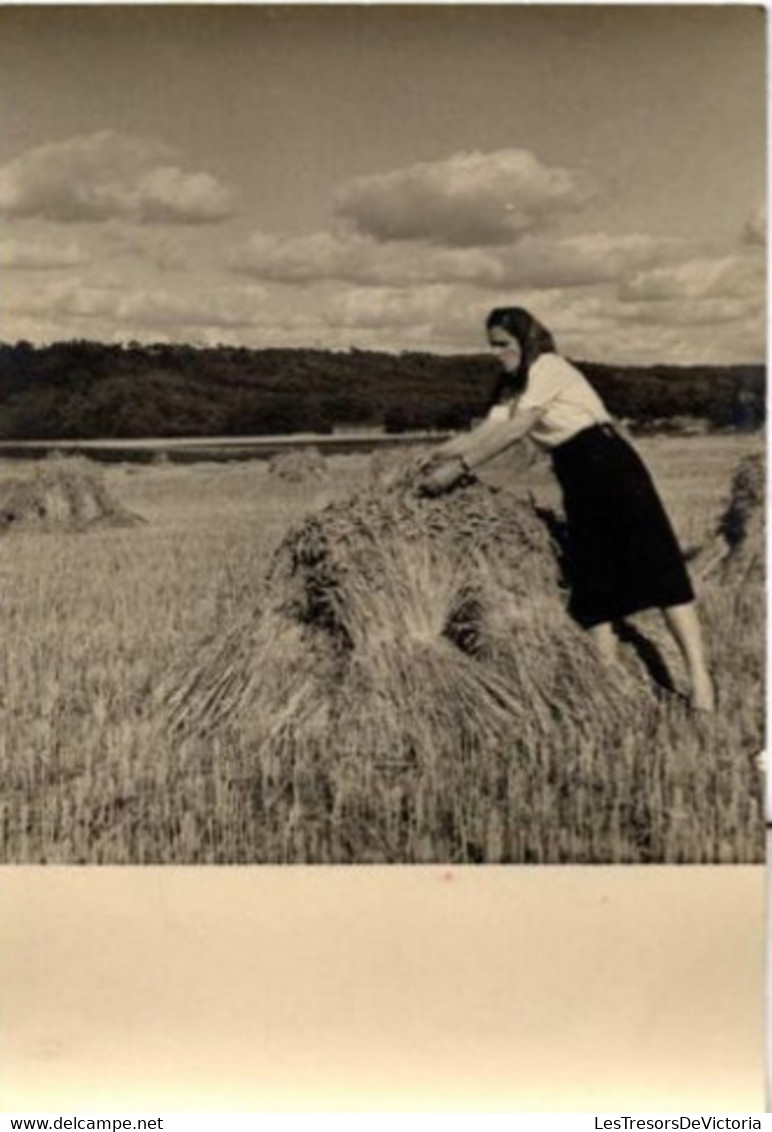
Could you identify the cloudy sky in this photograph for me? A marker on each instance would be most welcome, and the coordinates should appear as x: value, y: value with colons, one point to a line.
x: 381, y: 176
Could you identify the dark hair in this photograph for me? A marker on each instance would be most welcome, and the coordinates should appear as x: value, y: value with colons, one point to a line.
x: 534, y: 340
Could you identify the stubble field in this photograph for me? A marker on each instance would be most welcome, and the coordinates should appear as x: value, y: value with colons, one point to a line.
x: 95, y: 621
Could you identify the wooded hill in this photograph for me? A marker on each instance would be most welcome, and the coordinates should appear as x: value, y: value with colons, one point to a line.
x: 82, y: 389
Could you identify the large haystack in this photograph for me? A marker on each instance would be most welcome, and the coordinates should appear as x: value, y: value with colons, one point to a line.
x: 369, y: 543
x: 298, y: 466
x: 412, y: 688
x: 62, y: 493
x: 403, y: 628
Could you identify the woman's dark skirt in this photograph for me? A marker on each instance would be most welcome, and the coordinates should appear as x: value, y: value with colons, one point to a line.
x: 623, y: 553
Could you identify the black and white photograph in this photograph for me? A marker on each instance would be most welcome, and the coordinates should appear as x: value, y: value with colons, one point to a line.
x: 382, y: 455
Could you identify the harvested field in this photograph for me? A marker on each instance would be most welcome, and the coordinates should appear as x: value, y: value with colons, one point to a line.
x: 256, y: 677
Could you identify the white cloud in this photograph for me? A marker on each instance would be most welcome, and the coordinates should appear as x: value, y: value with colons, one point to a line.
x: 40, y: 254
x: 582, y: 261
x: 213, y: 308
x: 352, y: 258
x: 588, y: 322
x: 335, y: 317
x: 150, y: 307
x: 533, y: 262
x: 104, y: 175
x: 152, y: 249
x: 688, y: 312
x: 394, y: 308
x: 727, y: 277
x: 469, y: 199
x: 665, y: 345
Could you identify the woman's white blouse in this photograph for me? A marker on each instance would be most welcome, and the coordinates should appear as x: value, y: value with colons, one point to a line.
x: 568, y: 401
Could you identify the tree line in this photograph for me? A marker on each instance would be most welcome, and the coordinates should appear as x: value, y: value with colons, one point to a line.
x: 82, y: 389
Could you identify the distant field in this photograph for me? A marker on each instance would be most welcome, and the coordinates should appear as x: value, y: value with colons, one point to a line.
x: 92, y: 621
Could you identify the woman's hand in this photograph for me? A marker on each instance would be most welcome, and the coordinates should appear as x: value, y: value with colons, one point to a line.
x: 405, y: 477
x: 441, y: 477
x: 430, y: 474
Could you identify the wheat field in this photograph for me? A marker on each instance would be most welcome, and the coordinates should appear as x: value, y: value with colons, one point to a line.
x: 393, y: 767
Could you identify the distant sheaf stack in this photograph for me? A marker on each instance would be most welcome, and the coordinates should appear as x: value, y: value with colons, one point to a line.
x: 62, y: 493
x: 301, y: 465
x: 737, y: 551
x: 742, y: 524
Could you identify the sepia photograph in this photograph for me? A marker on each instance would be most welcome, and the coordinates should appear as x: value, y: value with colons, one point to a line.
x: 382, y: 451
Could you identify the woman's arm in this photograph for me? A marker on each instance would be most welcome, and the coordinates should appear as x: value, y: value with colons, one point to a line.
x: 451, y: 461
x: 493, y: 437
x: 488, y: 439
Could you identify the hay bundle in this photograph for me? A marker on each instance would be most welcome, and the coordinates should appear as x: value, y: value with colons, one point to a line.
x: 411, y: 675
x: 736, y: 552
x: 742, y: 524
x: 373, y: 542
x: 65, y: 492
x: 400, y: 624
x: 742, y: 518
x: 300, y: 466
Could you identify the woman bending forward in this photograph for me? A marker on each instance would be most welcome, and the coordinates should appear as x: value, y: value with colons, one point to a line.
x: 624, y: 554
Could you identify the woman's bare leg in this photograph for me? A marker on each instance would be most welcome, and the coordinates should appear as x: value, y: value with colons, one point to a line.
x: 684, y: 624
x: 605, y: 641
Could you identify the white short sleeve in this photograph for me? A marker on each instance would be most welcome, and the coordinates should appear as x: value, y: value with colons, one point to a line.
x: 500, y: 413
x: 548, y: 378
x: 565, y: 401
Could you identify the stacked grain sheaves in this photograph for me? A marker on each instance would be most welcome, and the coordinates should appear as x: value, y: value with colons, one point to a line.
x: 742, y: 524
x: 67, y: 493
x: 401, y: 628
x: 735, y: 555
x: 298, y: 466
